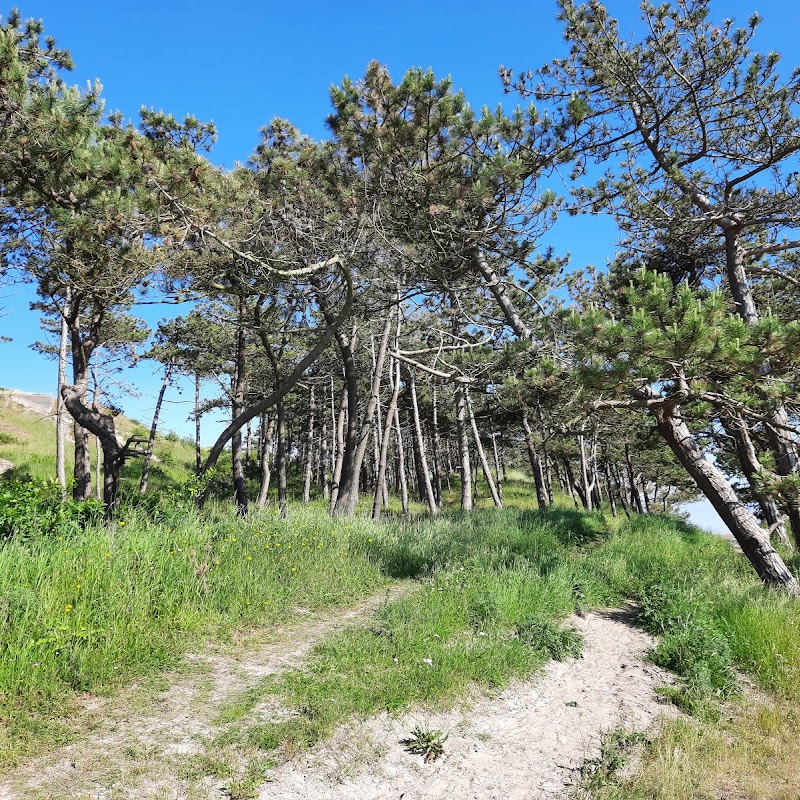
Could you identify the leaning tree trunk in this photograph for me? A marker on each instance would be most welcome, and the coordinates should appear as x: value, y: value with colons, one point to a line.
x: 419, y: 447
x: 536, y: 464
x: 736, y: 428
x: 636, y: 500
x: 497, y: 473
x: 783, y: 447
x: 487, y: 473
x: 738, y: 518
x: 151, y: 439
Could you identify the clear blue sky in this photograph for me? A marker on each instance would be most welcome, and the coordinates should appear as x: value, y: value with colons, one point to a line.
x: 243, y: 62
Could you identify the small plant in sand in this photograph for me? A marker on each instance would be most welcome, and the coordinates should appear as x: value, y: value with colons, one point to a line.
x: 428, y: 744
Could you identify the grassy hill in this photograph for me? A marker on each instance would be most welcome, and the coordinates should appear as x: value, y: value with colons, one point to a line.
x: 28, y: 442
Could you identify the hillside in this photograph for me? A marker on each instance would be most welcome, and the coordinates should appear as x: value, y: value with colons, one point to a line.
x: 28, y: 445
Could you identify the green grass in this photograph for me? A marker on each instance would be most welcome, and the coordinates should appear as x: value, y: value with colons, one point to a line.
x: 87, y: 611
x: 90, y: 610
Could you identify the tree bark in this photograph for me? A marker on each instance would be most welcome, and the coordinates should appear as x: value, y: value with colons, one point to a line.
x: 358, y: 436
x: 198, y: 454
x: 237, y: 405
x: 487, y: 473
x: 401, y: 457
x: 61, y: 412
x: 267, y: 432
x: 536, y: 464
x: 437, y: 451
x: 736, y: 428
x: 739, y: 520
x: 419, y: 447
x: 102, y: 426
x: 391, y: 414
x: 312, y: 412
x: 465, y: 467
x: 280, y: 459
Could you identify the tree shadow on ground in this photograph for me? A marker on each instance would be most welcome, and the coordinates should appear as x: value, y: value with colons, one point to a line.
x: 494, y: 540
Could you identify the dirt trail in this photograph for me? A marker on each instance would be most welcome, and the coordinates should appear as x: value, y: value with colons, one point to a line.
x: 525, y: 742
x: 136, y: 752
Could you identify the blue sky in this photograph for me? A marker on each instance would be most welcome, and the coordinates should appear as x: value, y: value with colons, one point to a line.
x: 243, y: 62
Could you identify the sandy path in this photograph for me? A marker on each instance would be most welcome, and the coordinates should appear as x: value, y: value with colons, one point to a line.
x: 523, y: 743
x: 134, y: 752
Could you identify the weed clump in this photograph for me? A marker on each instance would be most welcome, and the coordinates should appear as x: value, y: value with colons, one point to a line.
x: 544, y: 634
x: 426, y: 743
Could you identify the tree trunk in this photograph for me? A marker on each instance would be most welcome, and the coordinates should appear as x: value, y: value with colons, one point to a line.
x: 437, y: 452
x: 61, y: 412
x: 536, y: 464
x: 487, y: 473
x: 82, y: 473
x: 338, y: 450
x: 736, y: 428
x: 465, y: 467
x: 636, y: 500
x: 267, y: 431
x: 101, y: 425
x: 419, y: 447
x: 739, y: 520
x: 348, y: 493
x: 151, y: 439
x: 347, y: 484
x: 783, y: 447
x: 381, y: 492
x: 786, y: 462
x: 497, y: 474
x: 280, y: 459
x: 495, y: 286
x: 401, y: 457
x: 312, y: 412
x: 586, y: 487
x: 198, y: 455
x: 237, y: 405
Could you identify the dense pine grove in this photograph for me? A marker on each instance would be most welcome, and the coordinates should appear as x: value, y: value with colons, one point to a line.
x: 378, y: 310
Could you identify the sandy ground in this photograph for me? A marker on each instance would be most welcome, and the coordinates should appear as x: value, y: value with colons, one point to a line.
x: 42, y: 404
x: 525, y: 743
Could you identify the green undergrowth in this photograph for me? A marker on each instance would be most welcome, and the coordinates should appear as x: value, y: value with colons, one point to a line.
x: 490, y: 593
x: 86, y: 610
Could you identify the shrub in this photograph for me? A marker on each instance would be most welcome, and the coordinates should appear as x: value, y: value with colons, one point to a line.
x: 35, y: 508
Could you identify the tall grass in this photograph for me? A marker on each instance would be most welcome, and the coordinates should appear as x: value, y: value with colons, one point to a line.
x: 84, y: 611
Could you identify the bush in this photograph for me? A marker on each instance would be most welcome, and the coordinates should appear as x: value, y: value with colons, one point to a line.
x: 35, y: 508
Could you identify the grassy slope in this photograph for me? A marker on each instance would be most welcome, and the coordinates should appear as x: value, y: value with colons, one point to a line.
x: 97, y: 607
x: 29, y: 442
